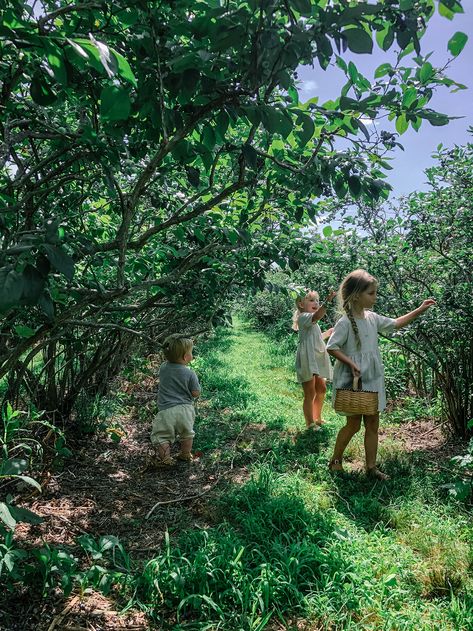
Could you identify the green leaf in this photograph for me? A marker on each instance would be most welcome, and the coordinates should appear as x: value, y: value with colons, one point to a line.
x: 457, y: 43
x: 24, y: 515
x: 114, y: 103
x: 6, y: 516
x: 382, y: 70
x: 60, y: 260
x: 124, y: 69
x: 426, y: 72
x: 358, y: 40
x: 11, y: 288
x: 13, y: 466
x: 354, y: 184
x: 409, y: 97
x: 353, y: 72
x: 193, y: 176
x: 294, y: 95
x: 56, y: 61
x: 308, y: 129
x: 327, y: 231
x: 385, y: 38
x: 250, y: 155
x: 24, y: 331
x: 402, y: 124
x: 41, y: 92
x: 30, y: 481
x: 304, y: 7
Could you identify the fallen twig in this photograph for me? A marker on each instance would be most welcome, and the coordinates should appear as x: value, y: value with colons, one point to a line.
x: 63, y: 613
x: 180, y: 499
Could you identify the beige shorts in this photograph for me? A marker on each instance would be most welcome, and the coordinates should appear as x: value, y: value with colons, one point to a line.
x: 177, y: 421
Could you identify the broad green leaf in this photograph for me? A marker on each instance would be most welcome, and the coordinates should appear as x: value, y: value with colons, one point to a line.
x: 41, y: 92
x: 60, y: 260
x: 358, y: 40
x: 385, y: 38
x: 402, y: 124
x: 294, y: 95
x: 382, y: 70
x: 354, y: 184
x: 457, y: 43
x: 308, y: 129
x: 115, y: 103
x: 327, y: 231
x: 304, y: 7
x: 13, y: 466
x: 24, y: 515
x: 250, y: 155
x: 409, y: 97
x: 6, y: 516
x: 24, y: 331
x: 55, y: 60
x: 426, y: 72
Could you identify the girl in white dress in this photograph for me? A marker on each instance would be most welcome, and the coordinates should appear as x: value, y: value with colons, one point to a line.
x: 354, y: 344
x: 313, y: 365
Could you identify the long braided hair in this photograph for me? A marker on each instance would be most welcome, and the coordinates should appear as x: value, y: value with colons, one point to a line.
x: 352, y: 286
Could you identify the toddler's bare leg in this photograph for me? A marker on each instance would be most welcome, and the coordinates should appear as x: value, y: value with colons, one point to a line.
x: 308, y: 404
x: 320, y: 390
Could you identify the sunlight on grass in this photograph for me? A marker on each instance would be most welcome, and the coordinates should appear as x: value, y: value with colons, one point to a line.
x: 291, y: 541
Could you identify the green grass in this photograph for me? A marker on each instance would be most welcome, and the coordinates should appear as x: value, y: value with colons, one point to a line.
x: 288, y: 543
x: 292, y: 543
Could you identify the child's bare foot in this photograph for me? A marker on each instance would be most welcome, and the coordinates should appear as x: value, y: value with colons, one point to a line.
x: 335, y: 464
x: 374, y: 472
x: 312, y: 426
x: 319, y: 422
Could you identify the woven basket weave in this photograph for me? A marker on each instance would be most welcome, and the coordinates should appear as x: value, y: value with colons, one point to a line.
x: 351, y: 401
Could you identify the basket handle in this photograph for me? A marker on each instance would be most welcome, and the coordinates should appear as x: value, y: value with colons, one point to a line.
x: 356, y: 383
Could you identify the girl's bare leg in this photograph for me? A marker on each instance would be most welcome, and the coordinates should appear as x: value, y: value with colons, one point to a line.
x: 344, y: 436
x: 320, y: 391
x: 371, y: 439
x: 308, y: 404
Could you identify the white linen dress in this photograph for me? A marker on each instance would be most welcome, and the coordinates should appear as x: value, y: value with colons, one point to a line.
x: 367, y: 358
x: 312, y: 357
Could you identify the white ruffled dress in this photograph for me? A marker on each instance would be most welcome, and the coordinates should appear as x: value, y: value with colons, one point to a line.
x: 367, y: 358
x: 312, y: 357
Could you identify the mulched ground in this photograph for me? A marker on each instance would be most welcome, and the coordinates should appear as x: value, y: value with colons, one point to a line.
x: 109, y: 488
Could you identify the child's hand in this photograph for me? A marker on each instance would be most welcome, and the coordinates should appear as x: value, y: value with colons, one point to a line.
x: 329, y: 331
x: 355, y: 371
x: 331, y: 295
x: 428, y: 303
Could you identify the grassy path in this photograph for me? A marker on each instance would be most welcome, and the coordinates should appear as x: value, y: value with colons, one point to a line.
x: 292, y: 543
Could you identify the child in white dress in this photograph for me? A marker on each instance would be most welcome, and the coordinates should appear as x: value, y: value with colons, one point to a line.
x: 354, y: 344
x: 313, y: 365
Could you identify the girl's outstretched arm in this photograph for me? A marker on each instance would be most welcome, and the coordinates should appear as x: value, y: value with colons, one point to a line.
x: 409, y: 317
x: 322, y: 310
x: 327, y: 333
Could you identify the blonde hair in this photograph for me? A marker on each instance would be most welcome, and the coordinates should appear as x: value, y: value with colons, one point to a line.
x: 295, y: 316
x: 175, y: 346
x: 351, y: 287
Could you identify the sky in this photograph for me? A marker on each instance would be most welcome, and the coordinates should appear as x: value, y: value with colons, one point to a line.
x: 409, y: 165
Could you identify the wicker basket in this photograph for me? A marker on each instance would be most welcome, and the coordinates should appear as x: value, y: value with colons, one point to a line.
x: 351, y: 401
